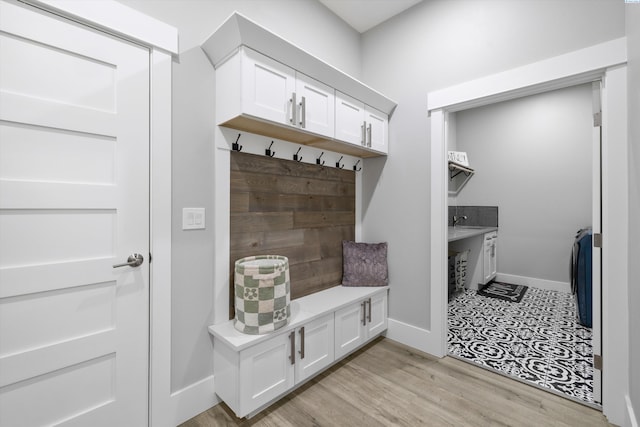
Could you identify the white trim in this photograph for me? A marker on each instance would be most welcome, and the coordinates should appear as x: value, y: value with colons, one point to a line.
x: 439, y: 192
x: 192, y: 400
x: 561, y: 71
x: 420, y: 339
x: 160, y: 297
x: 615, y: 247
x: 221, y: 224
x: 116, y: 18
x: 549, y: 285
x: 606, y: 61
x: 631, y: 420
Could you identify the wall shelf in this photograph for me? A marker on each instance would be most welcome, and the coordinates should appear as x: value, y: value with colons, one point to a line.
x: 459, y: 175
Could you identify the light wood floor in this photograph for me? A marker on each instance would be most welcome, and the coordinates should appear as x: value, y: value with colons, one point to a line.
x: 389, y: 384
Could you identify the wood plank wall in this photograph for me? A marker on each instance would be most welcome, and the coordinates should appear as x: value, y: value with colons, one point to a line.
x: 299, y: 210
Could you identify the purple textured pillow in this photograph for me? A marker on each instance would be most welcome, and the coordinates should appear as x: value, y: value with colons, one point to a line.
x: 364, y: 264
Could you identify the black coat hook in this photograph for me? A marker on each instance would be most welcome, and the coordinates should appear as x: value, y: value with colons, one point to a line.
x: 235, y: 146
x: 268, y: 151
x: 338, y: 165
x: 318, y: 161
x: 296, y: 157
x: 356, y: 168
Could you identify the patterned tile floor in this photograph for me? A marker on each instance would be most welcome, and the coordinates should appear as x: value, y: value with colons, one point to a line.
x: 536, y: 340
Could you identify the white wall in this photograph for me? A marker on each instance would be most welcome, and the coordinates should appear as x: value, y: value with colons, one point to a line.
x: 633, y: 40
x: 532, y: 158
x: 300, y: 21
x: 433, y: 45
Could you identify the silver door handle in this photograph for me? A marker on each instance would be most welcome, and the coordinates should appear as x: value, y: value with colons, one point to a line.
x: 134, y: 260
x: 369, y: 315
x: 363, y: 304
x: 369, y: 135
x: 292, y: 345
x: 301, y: 343
x: 293, y: 108
x: 363, y: 134
x: 303, y: 113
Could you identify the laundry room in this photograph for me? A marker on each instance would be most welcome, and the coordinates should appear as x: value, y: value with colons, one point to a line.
x: 533, y: 161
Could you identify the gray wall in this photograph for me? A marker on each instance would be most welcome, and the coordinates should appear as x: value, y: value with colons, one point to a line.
x: 300, y: 21
x: 633, y: 35
x: 433, y: 45
x: 532, y: 158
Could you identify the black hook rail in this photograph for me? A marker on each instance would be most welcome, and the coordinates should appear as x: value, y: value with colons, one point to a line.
x: 235, y: 146
x: 268, y: 151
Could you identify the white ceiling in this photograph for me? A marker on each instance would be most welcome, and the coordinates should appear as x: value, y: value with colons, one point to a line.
x: 365, y: 14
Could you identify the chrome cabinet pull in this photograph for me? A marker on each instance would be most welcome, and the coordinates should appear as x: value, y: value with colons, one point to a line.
x: 369, y: 315
x: 302, y: 343
x: 369, y: 135
x: 134, y: 260
x: 364, y: 313
x: 363, y: 134
x: 292, y: 341
x: 303, y: 112
x: 293, y: 108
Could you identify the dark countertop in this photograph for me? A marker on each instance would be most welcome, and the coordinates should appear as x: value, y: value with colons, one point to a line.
x: 464, y: 232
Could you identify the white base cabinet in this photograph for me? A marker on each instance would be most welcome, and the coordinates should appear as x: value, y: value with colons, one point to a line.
x: 272, y: 367
x: 356, y: 323
x: 490, y: 265
x: 252, y: 371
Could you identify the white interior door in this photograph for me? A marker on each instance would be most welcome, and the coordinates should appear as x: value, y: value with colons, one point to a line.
x: 74, y: 200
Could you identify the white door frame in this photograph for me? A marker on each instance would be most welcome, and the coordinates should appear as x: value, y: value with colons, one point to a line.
x: 162, y: 40
x: 606, y: 61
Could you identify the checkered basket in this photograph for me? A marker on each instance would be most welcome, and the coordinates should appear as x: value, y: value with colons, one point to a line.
x: 262, y: 293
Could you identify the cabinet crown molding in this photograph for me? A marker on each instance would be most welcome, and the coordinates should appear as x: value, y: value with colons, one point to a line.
x: 238, y: 30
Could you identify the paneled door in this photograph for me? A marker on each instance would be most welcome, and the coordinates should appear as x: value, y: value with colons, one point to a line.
x: 74, y: 201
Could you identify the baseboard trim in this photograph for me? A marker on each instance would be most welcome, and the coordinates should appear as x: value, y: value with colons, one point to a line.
x: 632, y: 421
x: 193, y: 399
x: 549, y: 285
x: 420, y: 339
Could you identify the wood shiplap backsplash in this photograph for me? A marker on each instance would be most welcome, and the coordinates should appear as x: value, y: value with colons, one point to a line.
x: 299, y: 210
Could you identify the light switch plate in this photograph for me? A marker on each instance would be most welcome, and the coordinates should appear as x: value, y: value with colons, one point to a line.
x: 193, y: 219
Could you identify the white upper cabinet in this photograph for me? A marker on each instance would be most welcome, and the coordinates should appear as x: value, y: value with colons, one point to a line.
x: 268, y: 86
x: 360, y: 124
x: 316, y: 106
x: 272, y: 91
x: 350, y: 126
x: 377, y: 132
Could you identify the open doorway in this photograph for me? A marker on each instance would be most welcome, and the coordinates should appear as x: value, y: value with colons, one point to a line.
x: 607, y: 62
x: 535, y: 165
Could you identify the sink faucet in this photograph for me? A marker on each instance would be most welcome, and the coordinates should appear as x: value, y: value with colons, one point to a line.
x: 457, y: 219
